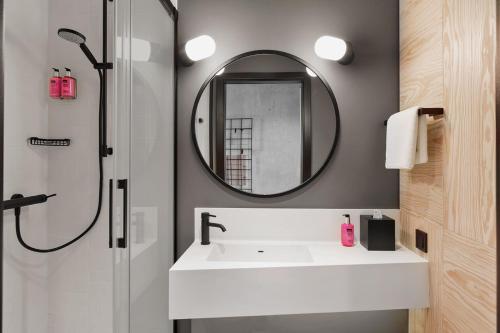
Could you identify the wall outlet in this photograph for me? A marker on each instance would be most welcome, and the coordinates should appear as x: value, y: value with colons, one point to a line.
x: 421, y: 240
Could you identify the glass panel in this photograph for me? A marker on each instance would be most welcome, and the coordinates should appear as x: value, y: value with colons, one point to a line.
x: 151, y: 166
x: 144, y: 155
x: 69, y: 290
x: 121, y: 143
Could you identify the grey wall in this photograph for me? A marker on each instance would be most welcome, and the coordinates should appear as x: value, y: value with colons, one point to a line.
x: 367, y: 92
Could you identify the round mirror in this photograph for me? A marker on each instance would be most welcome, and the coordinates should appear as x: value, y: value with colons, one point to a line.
x: 266, y: 124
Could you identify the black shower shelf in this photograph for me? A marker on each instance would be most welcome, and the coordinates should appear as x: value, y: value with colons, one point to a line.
x: 35, y: 141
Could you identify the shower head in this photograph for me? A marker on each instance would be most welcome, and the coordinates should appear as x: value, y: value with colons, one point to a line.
x: 75, y: 37
x: 71, y: 35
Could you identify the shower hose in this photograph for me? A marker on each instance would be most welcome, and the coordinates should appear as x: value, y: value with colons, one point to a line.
x: 99, y: 200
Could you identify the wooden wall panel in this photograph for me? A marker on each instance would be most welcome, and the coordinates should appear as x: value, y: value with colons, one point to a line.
x: 425, y: 320
x: 448, y: 50
x: 469, y: 294
x: 421, y: 189
x: 469, y: 95
x: 421, y: 57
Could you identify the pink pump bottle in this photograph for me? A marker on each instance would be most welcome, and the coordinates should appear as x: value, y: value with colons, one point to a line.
x: 68, y: 89
x: 347, y: 232
x: 55, y: 85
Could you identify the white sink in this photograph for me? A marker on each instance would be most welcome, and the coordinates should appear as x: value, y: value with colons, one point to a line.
x: 260, y: 253
x: 302, y: 268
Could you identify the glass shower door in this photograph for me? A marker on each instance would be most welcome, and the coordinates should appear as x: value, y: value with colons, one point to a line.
x: 119, y: 200
x: 144, y: 165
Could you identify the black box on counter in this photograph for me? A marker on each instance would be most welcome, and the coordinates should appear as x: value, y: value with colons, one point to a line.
x: 378, y: 234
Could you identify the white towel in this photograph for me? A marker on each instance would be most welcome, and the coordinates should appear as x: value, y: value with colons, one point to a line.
x: 406, y: 140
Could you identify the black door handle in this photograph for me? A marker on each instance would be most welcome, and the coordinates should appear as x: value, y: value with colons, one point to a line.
x: 122, y: 241
x: 110, y: 239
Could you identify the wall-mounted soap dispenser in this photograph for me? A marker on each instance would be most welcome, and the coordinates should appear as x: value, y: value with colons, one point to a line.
x: 55, y: 85
x: 68, y: 88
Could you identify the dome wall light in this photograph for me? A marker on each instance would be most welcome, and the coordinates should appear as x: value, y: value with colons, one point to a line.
x: 333, y: 48
x: 197, y: 49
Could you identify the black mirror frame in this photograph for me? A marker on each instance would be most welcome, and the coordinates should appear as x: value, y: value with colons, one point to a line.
x: 265, y: 52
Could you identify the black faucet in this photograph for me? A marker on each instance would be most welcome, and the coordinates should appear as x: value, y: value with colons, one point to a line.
x: 205, y: 227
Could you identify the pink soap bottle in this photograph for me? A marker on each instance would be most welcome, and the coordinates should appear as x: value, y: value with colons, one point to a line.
x: 347, y: 232
x: 68, y: 89
x: 55, y: 85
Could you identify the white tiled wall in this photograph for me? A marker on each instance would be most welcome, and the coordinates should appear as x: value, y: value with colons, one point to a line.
x: 71, y: 290
x: 25, y: 274
x: 80, y: 281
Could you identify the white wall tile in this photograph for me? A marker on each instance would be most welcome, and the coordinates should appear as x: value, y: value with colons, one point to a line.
x: 80, y: 282
x: 70, y: 289
x: 25, y: 274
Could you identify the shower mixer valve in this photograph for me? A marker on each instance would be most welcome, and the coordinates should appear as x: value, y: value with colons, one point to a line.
x: 18, y: 201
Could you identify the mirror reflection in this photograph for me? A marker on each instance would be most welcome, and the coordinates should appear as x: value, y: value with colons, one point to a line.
x: 265, y: 124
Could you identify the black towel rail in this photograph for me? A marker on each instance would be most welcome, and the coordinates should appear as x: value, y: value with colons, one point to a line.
x: 428, y: 111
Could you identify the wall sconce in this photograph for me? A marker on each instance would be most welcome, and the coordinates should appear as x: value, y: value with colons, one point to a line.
x: 333, y: 48
x: 197, y: 49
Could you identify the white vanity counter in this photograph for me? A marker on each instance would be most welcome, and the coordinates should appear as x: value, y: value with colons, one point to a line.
x: 290, y: 261
x: 245, y: 254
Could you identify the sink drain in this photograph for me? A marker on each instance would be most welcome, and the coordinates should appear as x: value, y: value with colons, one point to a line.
x: 260, y: 251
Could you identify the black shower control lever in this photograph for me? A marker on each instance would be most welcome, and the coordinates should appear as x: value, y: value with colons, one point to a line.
x: 18, y: 200
x: 205, y: 227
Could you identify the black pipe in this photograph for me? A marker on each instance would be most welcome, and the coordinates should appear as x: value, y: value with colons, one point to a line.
x: 104, y: 75
x: 105, y: 150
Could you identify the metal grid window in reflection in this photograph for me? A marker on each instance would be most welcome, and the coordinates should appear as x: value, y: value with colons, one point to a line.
x: 238, y: 153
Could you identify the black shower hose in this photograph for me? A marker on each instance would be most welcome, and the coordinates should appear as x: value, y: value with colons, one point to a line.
x: 99, y: 200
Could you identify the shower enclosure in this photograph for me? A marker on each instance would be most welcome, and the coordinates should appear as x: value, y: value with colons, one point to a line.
x: 115, y: 278
x: 144, y: 164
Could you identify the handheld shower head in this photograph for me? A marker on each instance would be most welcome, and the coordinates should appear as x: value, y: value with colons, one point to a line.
x: 71, y: 35
x: 75, y: 37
